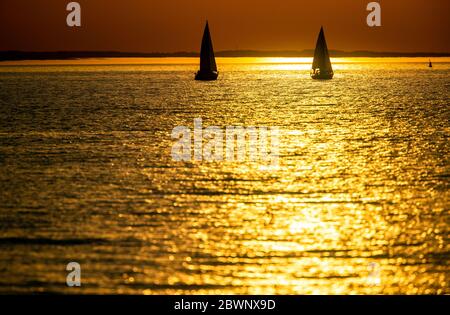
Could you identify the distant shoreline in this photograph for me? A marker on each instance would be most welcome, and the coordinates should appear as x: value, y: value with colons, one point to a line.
x: 69, y: 55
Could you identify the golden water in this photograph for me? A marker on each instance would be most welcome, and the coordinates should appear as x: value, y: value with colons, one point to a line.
x: 359, y: 203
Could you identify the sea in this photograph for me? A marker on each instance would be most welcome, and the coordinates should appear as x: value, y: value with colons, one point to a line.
x: 357, y: 204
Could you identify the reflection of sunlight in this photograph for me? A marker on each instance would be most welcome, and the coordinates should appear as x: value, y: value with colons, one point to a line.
x: 354, y: 190
x: 300, y: 227
x: 279, y: 61
x: 316, y: 227
x: 284, y: 60
x: 269, y: 168
x: 309, y: 222
x: 270, y: 246
x: 281, y: 199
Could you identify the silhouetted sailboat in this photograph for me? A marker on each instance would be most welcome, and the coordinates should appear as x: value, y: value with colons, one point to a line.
x: 430, y: 64
x: 208, y: 68
x: 321, y: 67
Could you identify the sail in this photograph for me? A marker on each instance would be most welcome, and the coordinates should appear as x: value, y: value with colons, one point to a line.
x: 321, y: 56
x: 207, y: 59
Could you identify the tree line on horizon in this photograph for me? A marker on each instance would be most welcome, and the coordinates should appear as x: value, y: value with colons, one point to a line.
x: 14, y: 55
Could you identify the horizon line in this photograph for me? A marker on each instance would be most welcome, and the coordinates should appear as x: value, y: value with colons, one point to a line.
x: 16, y: 55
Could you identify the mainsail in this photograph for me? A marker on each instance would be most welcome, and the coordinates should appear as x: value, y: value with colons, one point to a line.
x: 208, y: 67
x: 321, y: 64
x: 207, y: 59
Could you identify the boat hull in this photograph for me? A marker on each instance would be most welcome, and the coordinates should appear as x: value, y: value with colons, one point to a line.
x: 206, y: 76
x: 322, y: 76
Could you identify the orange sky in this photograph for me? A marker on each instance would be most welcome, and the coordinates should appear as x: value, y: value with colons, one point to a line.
x: 177, y: 25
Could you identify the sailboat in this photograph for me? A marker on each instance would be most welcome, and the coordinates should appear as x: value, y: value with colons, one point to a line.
x: 321, y: 67
x: 208, y: 68
x: 430, y: 64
